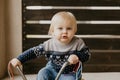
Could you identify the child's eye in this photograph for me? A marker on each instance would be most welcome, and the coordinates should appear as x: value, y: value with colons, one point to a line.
x: 60, y: 28
x: 69, y: 28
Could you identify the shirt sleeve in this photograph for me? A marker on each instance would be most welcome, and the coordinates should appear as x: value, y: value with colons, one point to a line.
x: 84, y: 54
x: 31, y: 53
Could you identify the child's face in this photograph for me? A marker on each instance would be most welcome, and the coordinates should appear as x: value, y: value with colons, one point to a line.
x: 64, y: 29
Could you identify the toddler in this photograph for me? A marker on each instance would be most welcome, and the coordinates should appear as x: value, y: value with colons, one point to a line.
x: 63, y: 46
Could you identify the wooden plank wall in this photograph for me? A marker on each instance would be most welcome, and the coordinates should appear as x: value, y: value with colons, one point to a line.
x: 98, y: 24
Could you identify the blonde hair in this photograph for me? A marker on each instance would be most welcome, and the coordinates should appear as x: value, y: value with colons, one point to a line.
x: 62, y: 14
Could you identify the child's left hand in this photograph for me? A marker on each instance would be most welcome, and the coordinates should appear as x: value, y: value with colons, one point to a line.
x: 73, y: 59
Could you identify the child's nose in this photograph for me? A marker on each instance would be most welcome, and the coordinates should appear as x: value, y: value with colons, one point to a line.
x: 64, y: 31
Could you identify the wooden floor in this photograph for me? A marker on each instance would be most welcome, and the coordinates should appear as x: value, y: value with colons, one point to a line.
x: 86, y: 76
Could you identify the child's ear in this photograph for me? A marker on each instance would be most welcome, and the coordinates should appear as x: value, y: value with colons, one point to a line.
x: 52, y: 33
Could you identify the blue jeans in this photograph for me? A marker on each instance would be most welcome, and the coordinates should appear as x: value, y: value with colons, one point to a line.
x: 49, y: 73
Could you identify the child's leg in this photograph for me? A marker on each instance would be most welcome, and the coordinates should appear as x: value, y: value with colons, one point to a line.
x: 71, y: 76
x: 47, y: 73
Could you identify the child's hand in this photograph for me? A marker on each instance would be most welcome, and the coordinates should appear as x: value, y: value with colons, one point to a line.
x: 15, y: 62
x: 73, y: 59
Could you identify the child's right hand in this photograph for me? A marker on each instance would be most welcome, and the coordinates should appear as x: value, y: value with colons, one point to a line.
x: 15, y: 62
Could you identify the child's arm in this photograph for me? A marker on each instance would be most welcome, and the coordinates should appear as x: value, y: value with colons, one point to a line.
x: 29, y: 54
x: 82, y: 55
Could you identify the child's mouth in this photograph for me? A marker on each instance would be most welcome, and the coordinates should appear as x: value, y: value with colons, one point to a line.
x: 64, y: 37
